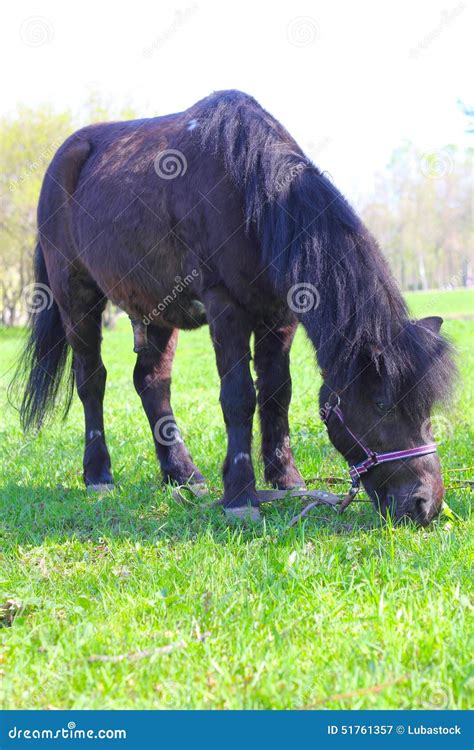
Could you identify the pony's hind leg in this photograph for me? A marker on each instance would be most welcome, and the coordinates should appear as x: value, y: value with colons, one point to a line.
x: 83, y: 326
x: 272, y: 364
x: 152, y: 380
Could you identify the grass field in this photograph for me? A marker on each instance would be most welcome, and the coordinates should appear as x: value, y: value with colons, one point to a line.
x: 339, y: 612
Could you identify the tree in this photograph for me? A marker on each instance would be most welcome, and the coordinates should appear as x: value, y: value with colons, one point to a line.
x: 29, y: 140
x: 421, y: 214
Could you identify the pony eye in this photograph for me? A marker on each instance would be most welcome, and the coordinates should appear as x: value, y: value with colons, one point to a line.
x: 382, y: 406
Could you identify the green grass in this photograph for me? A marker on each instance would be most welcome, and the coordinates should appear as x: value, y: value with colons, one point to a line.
x: 454, y: 304
x: 267, y: 617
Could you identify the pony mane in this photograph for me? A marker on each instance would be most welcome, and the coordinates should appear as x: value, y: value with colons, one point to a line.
x: 309, y: 235
x: 427, y: 369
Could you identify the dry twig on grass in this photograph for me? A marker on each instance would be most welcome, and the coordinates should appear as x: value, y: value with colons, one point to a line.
x: 136, y: 655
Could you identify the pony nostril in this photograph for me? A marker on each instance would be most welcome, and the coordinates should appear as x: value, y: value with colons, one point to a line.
x: 420, y: 505
x: 421, y: 508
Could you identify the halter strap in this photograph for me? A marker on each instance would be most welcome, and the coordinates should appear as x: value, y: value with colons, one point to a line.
x: 372, y: 458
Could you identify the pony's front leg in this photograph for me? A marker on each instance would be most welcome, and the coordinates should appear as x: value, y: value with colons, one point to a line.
x: 152, y: 379
x: 272, y: 363
x: 231, y: 330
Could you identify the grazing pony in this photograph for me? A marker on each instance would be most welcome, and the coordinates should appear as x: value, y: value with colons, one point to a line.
x: 214, y: 215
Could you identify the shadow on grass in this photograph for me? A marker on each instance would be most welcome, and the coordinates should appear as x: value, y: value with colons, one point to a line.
x: 146, y: 512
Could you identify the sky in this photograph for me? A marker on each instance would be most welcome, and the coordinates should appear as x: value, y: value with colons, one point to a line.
x: 349, y: 80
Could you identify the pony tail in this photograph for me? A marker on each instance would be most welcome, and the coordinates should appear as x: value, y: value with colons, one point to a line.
x: 45, y: 358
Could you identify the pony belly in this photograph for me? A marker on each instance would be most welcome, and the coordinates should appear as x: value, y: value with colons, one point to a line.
x: 188, y: 318
x: 187, y: 315
x: 174, y: 304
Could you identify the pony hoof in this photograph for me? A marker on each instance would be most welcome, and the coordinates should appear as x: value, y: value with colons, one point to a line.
x: 200, y: 489
x: 101, y: 487
x: 185, y: 492
x: 247, y: 513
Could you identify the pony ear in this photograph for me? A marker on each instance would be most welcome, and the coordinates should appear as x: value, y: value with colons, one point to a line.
x: 432, y: 323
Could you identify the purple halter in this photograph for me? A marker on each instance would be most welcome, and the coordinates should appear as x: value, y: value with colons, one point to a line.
x: 373, y: 458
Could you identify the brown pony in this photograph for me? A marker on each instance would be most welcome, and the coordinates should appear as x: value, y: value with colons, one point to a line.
x: 214, y: 215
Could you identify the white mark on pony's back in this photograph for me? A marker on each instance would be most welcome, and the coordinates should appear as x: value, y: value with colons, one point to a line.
x: 241, y: 457
x: 192, y: 124
x: 94, y: 433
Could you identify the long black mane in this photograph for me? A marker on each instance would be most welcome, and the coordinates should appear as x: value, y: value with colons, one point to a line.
x: 308, y: 233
